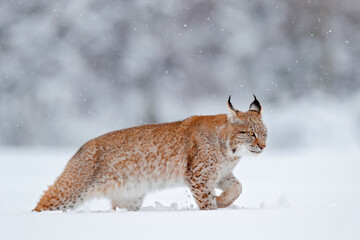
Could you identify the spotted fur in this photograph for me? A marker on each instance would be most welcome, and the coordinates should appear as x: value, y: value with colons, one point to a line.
x: 200, y: 152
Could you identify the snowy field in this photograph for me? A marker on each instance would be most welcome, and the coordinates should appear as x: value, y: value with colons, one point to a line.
x: 302, y: 194
x: 73, y: 70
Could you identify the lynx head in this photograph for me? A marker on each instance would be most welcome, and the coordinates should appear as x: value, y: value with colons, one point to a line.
x: 246, y: 129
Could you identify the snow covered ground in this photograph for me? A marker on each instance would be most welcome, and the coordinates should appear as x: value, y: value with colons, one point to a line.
x: 300, y: 194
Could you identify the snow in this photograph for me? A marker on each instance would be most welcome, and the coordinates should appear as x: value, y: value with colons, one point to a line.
x: 292, y: 194
x: 224, y: 224
x: 73, y: 70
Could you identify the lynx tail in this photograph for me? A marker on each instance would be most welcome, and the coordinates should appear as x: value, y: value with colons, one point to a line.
x: 71, y: 188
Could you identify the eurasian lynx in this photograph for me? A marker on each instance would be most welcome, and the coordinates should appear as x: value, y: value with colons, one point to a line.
x: 200, y: 152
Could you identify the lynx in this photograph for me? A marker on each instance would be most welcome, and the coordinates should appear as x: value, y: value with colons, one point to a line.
x: 199, y: 152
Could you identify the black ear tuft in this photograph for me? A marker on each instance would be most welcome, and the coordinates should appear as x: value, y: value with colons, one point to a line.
x: 255, y: 105
x: 230, y: 105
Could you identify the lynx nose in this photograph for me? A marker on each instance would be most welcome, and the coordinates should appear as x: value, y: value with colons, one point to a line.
x: 262, y: 146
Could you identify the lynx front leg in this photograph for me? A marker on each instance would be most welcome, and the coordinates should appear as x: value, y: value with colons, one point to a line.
x: 204, y: 196
x: 231, y: 191
x: 201, y: 177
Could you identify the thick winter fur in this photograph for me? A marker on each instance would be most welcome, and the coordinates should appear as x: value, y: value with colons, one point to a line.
x: 200, y: 152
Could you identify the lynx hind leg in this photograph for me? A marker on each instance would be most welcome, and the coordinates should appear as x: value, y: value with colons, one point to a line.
x: 130, y: 204
x: 232, y: 189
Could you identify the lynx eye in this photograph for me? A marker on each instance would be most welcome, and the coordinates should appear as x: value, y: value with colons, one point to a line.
x: 252, y: 134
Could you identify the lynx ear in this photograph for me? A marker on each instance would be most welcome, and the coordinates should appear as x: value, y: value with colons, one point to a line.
x: 232, y: 113
x: 255, y: 106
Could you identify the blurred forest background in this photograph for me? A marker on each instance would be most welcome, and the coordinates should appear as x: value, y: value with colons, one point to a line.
x: 72, y: 70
